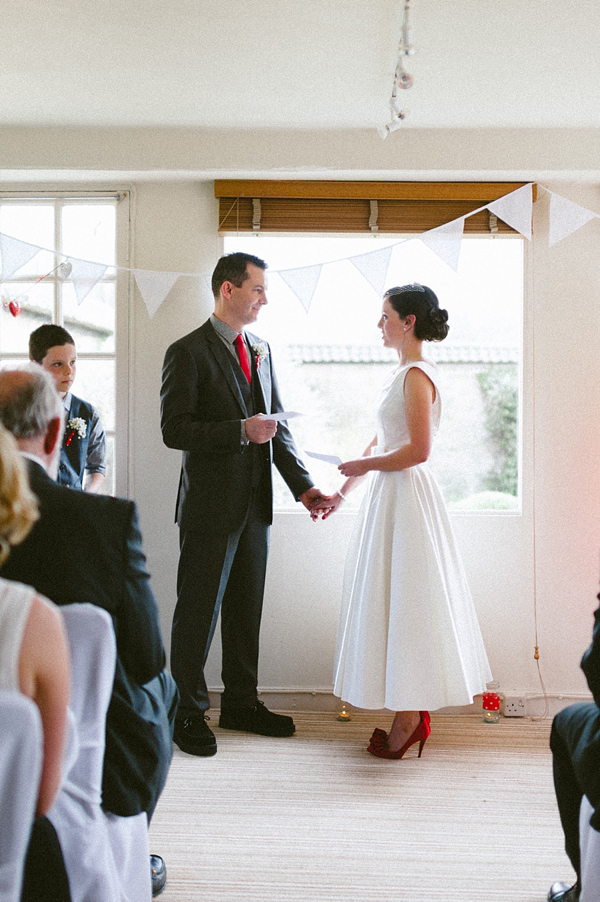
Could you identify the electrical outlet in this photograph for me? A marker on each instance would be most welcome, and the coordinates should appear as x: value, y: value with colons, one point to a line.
x: 514, y: 706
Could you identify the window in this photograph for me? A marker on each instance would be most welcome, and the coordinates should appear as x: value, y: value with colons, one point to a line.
x: 330, y: 361
x: 90, y: 228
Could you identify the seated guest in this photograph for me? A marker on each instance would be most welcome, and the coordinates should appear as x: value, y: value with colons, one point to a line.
x: 88, y: 548
x: 575, y: 744
x: 82, y: 455
x: 34, y: 660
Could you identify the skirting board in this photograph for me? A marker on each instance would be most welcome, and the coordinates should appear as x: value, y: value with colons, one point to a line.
x: 322, y: 700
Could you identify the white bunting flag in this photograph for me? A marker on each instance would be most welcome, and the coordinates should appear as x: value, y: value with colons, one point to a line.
x: 154, y: 287
x: 374, y: 266
x: 446, y: 241
x: 84, y: 275
x: 515, y: 209
x: 15, y: 254
x: 565, y: 217
x: 303, y: 282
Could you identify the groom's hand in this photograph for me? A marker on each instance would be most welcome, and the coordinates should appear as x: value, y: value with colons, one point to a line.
x: 311, y: 496
x: 314, y: 498
x: 325, y: 506
x: 260, y: 429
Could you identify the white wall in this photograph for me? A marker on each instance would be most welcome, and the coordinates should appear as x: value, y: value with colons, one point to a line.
x: 174, y: 217
x: 175, y: 229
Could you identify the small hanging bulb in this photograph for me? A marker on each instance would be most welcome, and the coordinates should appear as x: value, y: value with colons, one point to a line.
x: 404, y: 80
x: 396, y: 109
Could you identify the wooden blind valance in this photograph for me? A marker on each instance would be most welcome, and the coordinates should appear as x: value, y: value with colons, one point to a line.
x: 397, y: 207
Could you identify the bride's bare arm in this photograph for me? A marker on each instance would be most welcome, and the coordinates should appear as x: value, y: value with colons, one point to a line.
x: 419, y: 394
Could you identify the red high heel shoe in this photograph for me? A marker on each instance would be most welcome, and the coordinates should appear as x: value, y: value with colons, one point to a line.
x: 378, y: 745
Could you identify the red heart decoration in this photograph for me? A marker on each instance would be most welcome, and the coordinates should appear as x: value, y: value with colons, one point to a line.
x: 14, y: 308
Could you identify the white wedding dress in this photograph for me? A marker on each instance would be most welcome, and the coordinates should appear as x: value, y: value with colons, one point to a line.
x: 408, y: 636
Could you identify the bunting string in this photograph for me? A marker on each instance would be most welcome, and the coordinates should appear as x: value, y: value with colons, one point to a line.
x: 515, y: 209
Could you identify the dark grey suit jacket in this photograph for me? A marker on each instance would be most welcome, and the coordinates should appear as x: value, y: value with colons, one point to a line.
x: 88, y: 548
x: 201, y: 410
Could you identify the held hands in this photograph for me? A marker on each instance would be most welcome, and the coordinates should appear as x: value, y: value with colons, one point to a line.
x: 324, y: 507
x: 314, y: 499
x: 260, y: 429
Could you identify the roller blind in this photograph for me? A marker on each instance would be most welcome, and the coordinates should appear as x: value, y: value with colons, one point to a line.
x: 307, y: 206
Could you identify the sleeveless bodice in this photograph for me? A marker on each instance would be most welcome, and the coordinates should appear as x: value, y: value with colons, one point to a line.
x: 392, y: 426
x: 15, y: 602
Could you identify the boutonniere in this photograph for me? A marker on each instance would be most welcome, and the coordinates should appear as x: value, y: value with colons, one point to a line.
x: 261, y: 351
x: 76, y: 426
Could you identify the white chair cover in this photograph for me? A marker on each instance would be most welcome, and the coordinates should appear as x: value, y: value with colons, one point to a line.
x: 128, y: 838
x: 90, y: 838
x: 589, y: 845
x: 21, y: 753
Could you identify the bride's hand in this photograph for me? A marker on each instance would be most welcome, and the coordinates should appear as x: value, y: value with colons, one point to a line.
x: 355, y: 467
x: 325, y: 507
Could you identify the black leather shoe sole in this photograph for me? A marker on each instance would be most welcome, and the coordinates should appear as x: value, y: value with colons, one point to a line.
x: 257, y: 719
x: 188, y: 740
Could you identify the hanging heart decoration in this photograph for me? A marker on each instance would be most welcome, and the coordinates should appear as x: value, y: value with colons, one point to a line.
x: 14, y: 308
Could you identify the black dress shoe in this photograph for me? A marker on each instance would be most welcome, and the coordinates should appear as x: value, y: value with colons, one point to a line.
x: 563, y: 892
x: 256, y: 719
x: 158, y: 870
x: 194, y: 736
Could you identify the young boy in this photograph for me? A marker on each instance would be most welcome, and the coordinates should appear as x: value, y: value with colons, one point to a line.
x: 83, y: 449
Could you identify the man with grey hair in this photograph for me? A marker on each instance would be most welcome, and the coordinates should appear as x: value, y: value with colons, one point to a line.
x: 88, y: 548
x: 31, y: 409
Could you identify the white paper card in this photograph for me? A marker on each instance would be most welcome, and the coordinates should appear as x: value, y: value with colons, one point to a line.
x: 283, y: 415
x: 328, y: 458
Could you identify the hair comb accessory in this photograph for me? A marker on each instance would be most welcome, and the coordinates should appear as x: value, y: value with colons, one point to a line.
x: 405, y: 289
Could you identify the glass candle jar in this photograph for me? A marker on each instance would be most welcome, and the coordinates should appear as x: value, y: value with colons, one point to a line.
x: 491, y: 703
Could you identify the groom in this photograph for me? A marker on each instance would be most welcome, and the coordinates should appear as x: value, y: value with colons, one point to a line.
x: 218, y: 387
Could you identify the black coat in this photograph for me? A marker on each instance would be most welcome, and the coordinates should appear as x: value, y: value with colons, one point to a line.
x: 201, y: 410
x: 88, y: 548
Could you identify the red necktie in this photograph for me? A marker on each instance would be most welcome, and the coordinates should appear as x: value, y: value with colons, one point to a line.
x: 242, y: 352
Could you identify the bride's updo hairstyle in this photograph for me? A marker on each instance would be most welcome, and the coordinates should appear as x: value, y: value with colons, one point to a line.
x: 431, y: 323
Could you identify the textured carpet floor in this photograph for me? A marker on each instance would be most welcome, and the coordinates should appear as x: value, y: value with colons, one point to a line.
x: 315, y: 818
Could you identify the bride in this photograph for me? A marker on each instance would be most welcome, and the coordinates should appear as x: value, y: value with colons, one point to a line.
x: 408, y: 637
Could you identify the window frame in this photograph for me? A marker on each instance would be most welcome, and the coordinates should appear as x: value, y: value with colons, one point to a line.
x: 525, y: 423
x: 120, y: 355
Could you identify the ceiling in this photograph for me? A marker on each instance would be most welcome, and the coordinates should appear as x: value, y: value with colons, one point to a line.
x: 289, y: 64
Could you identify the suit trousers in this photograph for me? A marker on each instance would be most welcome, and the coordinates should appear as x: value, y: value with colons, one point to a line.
x: 575, y: 773
x: 220, y: 571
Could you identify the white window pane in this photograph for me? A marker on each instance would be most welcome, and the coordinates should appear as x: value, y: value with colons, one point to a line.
x: 331, y: 363
x: 36, y: 305
x: 92, y: 323
x: 88, y: 232
x: 33, y: 223
x: 95, y: 382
